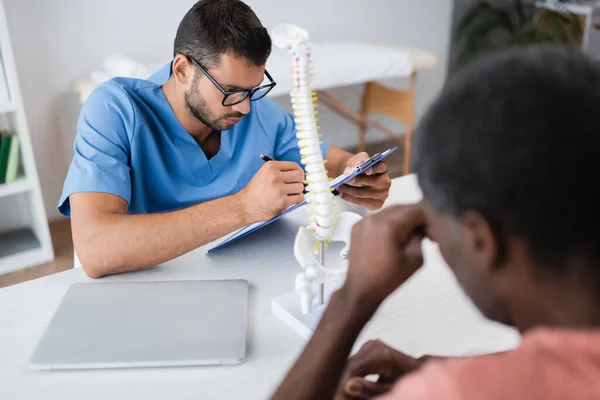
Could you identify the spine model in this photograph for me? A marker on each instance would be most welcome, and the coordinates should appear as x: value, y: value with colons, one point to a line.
x: 323, y: 223
x: 320, y: 199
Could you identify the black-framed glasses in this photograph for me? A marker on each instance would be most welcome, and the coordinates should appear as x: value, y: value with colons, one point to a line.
x: 233, y: 97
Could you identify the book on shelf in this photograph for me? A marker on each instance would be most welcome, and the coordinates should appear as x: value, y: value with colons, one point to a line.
x: 4, y: 150
x: 12, y: 165
x: 9, y: 157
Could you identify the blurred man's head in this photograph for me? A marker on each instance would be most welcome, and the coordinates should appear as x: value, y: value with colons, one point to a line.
x: 220, y: 43
x: 508, y: 160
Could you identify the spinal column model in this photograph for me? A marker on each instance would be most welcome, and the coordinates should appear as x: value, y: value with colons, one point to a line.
x: 323, y: 225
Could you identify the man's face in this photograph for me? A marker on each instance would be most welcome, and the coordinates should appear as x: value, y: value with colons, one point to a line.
x: 204, y: 99
x: 469, y: 248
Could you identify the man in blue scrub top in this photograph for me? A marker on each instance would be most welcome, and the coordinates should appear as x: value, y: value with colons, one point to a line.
x: 165, y: 165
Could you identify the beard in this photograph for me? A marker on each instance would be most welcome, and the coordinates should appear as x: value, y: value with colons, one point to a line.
x: 200, y: 109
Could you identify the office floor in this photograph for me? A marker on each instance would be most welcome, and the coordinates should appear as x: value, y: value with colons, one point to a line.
x: 63, y: 244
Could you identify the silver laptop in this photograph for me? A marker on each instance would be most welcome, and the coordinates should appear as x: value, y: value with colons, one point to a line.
x: 146, y: 324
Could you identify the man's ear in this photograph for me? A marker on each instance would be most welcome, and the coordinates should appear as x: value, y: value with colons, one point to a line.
x: 182, y: 69
x: 481, y: 242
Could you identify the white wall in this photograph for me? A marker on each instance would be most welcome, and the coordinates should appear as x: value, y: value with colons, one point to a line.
x: 56, y: 41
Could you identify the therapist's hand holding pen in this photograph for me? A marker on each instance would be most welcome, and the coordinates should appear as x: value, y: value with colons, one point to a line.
x: 276, y: 186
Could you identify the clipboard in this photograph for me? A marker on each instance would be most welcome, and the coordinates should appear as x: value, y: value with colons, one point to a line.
x: 334, y: 184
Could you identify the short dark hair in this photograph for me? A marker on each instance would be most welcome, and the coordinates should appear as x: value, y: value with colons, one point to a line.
x: 213, y: 27
x: 516, y: 137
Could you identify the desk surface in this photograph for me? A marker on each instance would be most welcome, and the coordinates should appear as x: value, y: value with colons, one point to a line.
x: 429, y: 314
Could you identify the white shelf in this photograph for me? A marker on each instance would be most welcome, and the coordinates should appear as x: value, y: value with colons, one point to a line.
x: 18, y: 251
x: 24, y: 259
x: 7, y: 108
x: 16, y: 187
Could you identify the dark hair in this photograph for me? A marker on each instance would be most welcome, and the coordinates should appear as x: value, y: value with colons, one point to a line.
x: 516, y: 137
x: 213, y: 27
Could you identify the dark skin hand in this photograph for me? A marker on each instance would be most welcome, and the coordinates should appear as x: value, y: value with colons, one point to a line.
x: 375, y: 358
x: 386, y: 251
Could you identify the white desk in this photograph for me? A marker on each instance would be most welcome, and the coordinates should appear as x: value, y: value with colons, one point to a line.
x: 429, y: 314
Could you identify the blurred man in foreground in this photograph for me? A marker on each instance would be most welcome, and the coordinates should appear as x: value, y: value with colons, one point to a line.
x: 505, y: 158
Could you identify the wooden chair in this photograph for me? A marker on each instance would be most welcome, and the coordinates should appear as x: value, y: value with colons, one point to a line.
x: 393, y: 103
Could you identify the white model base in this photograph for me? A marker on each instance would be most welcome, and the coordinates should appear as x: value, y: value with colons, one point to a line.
x: 287, y: 308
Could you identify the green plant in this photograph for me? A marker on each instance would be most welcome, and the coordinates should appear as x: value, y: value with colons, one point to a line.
x: 493, y: 25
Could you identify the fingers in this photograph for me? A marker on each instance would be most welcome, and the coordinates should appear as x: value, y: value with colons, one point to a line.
x: 413, y: 248
x: 354, y: 161
x: 285, y: 165
x: 284, y: 171
x: 361, y: 388
x: 379, y: 168
x: 407, y: 220
x: 360, y: 193
x: 371, y: 204
x: 358, y: 158
x: 371, y: 198
x: 413, y: 253
x: 292, y: 176
x: 381, y: 181
x: 365, y: 192
x: 293, y: 188
x: 373, y: 357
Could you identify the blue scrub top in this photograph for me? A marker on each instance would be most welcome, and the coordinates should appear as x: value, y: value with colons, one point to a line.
x: 129, y: 143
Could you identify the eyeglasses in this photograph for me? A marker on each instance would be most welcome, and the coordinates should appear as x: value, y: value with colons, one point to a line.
x: 233, y: 97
